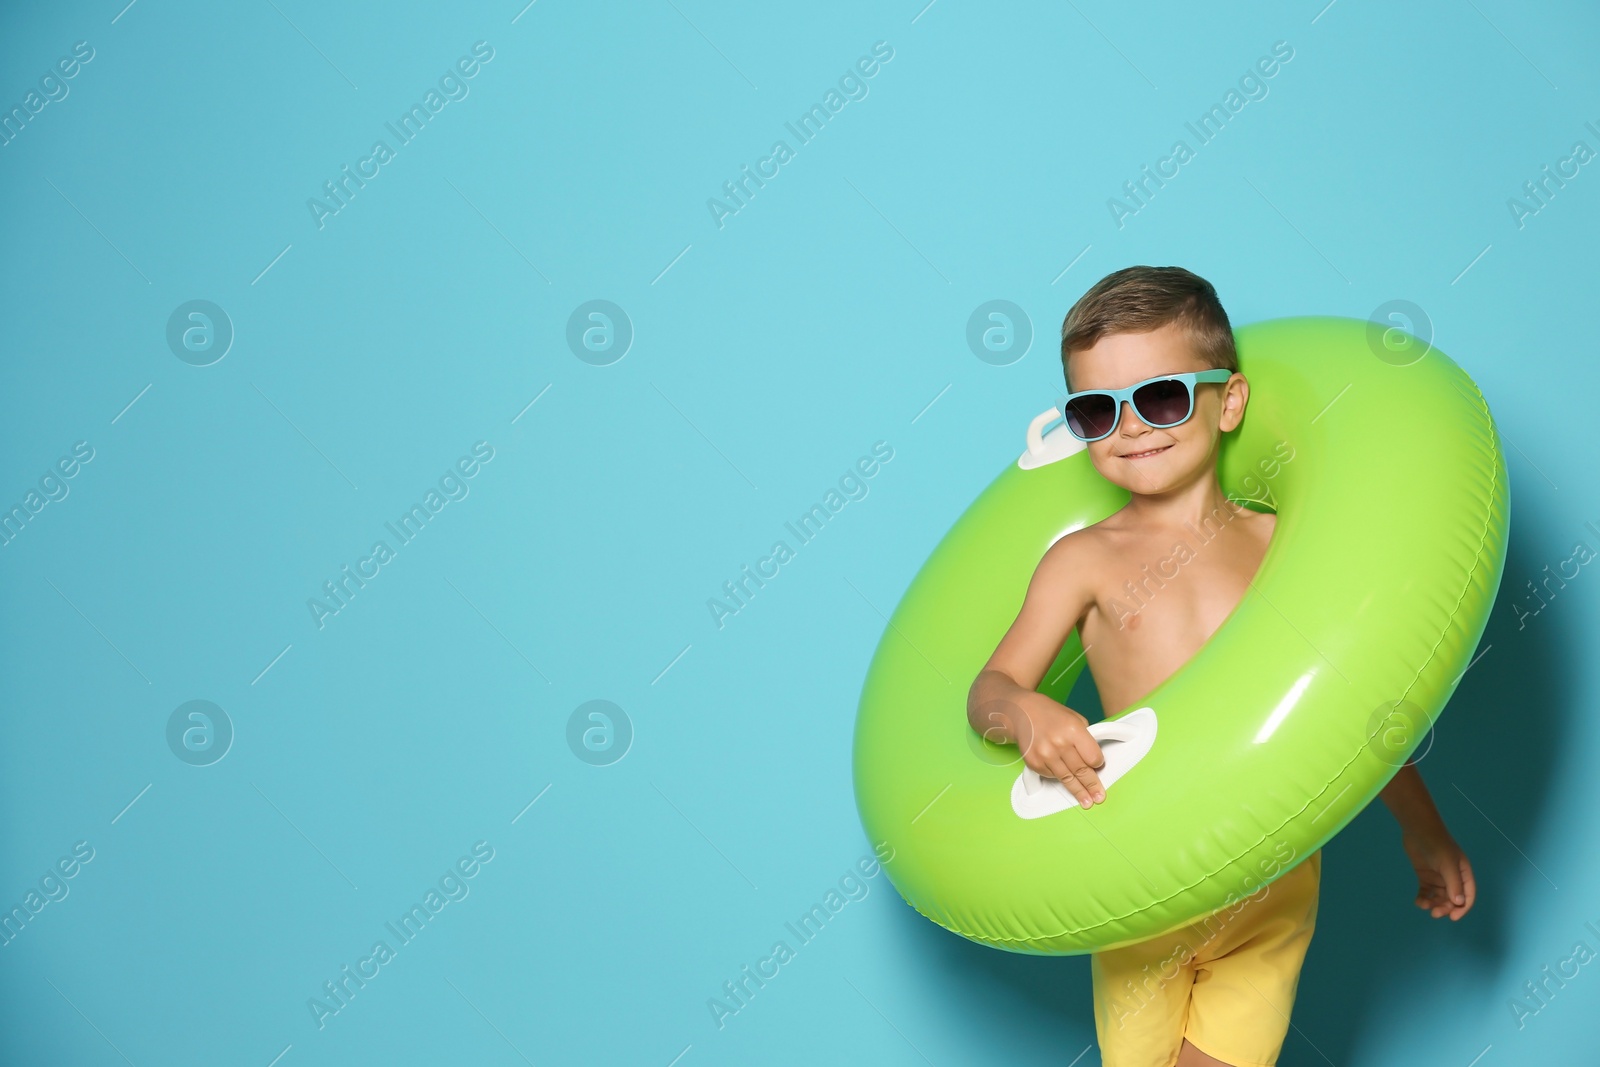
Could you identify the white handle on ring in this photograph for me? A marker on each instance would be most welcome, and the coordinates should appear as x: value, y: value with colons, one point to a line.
x: 1125, y: 741
x: 1047, y: 448
x: 1036, y: 430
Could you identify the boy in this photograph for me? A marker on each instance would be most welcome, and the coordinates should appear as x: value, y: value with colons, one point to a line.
x: 1228, y: 1001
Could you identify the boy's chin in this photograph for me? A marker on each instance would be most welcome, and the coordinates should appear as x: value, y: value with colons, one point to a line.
x: 1143, y: 476
x: 1142, y: 486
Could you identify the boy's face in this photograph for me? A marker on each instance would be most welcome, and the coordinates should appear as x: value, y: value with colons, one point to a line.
x: 1139, y: 457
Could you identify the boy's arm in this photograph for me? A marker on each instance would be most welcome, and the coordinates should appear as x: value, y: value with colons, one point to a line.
x: 1407, y: 798
x: 1004, y: 704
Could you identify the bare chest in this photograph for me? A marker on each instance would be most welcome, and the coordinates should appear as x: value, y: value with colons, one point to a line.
x: 1158, y: 600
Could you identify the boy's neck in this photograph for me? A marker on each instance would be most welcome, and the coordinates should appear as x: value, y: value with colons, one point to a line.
x: 1187, y: 505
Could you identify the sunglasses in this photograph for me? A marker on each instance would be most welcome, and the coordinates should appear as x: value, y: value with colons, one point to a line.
x: 1159, y: 402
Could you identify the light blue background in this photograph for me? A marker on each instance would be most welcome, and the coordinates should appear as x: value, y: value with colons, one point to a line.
x: 769, y: 354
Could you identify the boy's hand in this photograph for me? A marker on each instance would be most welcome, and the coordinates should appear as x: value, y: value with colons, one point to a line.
x: 1444, y: 877
x: 1056, y: 742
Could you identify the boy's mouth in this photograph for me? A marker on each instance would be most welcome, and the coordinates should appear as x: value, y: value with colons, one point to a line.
x: 1145, y: 454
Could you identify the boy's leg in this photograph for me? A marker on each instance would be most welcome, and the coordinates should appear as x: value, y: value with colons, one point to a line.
x: 1191, y: 1056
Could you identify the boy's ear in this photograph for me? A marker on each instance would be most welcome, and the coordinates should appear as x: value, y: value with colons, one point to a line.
x: 1235, y: 395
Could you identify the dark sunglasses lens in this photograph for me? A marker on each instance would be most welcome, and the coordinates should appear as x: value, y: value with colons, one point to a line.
x: 1091, y: 416
x: 1162, y: 403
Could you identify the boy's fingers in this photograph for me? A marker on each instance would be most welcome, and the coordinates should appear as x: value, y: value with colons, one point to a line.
x: 1093, y: 758
x: 1088, y: 752
x: 1063, y: 772
x: 1453, y: 894
x: 1079, y: 780
x: 1069, y: 764
x: 1076, y: 788
x: 1088, y: 783
x: 1468, y: 891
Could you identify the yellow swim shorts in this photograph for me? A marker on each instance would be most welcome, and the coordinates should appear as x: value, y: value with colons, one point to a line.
x: 1225, y: 982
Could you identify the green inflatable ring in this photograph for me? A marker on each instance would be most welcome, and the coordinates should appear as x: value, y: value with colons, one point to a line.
x: 1386, y: 472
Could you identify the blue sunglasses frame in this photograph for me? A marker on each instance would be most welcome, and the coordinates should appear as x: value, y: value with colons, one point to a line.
x: 1188, y: 378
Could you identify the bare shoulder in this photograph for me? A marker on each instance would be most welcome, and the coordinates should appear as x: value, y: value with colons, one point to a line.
x: 1075, y: 549
x: 1070, y: 562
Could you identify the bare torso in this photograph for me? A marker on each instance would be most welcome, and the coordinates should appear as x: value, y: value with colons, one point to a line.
x: 1156, y: 603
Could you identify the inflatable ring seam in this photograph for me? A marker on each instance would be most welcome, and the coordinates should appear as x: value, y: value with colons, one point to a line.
x: 1472, y: 574
x: 1483, y: 538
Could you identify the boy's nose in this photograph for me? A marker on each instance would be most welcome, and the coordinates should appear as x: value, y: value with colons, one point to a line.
x: 1130, y: 418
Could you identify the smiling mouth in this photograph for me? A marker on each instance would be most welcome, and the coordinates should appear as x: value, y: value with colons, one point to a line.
x: 1146, y: 454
